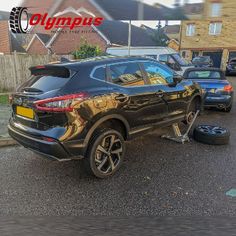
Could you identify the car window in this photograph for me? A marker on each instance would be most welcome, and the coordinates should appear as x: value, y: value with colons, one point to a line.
x: 181, y: 61
x: 158, y: 74
x: 204, y: 75
x: 126, y: 74
x: 163, y: 58
x: 100, y: 73
x: 44, y: 79
x: 201, y: 59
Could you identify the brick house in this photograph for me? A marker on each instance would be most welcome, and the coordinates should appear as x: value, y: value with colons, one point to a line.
x: 8, y: 41
x: 110, y: 33
x: 219, y: 9
x: 109, y: 9
x: 214, y: 38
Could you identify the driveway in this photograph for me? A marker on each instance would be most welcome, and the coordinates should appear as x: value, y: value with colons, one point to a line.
x: 159, y: 177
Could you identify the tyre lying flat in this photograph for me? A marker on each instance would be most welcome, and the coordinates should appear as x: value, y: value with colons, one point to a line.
x: 213, y: 135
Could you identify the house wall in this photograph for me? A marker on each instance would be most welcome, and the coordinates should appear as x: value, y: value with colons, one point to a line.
x: 37, y: 48
x: 203, y: 42
x: 228, y: 8
x: 4, y: 38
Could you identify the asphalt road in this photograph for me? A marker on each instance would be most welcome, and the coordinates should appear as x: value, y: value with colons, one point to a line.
x: 159, y: 177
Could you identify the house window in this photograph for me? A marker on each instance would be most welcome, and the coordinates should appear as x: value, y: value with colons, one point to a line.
x: 215, y: 28
x: 215, y: 10
x: 190, y: 31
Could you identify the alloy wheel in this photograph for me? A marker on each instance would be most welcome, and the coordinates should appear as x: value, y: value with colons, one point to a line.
x: 212, y: 129
x: 108, y: 154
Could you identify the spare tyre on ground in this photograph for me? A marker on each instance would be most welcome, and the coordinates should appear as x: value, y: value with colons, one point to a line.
x: 213, y: 135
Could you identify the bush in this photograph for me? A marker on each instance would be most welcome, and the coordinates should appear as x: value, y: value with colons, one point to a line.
x: 86, y: 50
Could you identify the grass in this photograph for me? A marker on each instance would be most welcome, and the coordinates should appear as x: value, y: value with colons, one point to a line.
x: 4, y: 99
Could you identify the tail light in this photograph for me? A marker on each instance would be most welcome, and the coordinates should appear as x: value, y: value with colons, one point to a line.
x: 228, y: 88
x: 60, y: 104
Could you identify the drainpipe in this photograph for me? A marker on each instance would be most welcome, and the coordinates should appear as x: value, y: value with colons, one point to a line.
x: 129, y: 38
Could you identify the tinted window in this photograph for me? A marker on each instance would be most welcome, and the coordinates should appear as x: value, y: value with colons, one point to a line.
x: 126, y: 74
x: 201, y: 59
x: 45, y: 80
x: 158, y: 74
x: 204, y: 75
x: 163, y: 58
x: 181, y: 61
x: 100, y: 73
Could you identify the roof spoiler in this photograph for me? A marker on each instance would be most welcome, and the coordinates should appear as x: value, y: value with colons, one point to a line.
x: 64, y: 59
x: 58, y: 71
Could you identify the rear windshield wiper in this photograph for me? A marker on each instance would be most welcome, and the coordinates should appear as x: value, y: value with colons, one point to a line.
x: 33, y: 90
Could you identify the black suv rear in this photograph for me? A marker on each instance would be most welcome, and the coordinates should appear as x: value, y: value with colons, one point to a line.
x: 88, y: 109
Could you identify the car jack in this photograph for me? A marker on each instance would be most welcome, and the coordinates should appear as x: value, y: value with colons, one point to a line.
x: 181, y: 138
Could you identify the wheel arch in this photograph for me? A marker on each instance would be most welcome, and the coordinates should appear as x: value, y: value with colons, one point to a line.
x: 195, y: 98
x: 109, y: 119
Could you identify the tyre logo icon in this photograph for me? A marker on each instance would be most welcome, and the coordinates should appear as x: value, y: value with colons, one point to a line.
x: 19, y: 20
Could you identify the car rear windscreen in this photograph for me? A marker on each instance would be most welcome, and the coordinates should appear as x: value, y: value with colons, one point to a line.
x: 201, y: 59
x: 47, y: 79
x: 204, y: 75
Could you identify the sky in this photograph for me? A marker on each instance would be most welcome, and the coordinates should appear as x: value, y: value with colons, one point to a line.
x: 7, y: 5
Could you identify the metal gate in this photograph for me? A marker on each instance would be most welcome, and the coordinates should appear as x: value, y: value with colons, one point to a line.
x: 215, y: 56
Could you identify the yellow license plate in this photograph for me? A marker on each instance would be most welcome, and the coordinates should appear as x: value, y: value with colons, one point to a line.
x: 26, y: 112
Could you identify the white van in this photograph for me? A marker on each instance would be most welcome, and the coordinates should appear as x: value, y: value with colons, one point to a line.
x: 165, y: 55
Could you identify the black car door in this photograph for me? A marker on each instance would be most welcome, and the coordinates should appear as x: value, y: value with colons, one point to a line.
x: 161, y: 79
x: 135, y: 98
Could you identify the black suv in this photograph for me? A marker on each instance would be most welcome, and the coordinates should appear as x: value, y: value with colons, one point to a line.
x: 88, y: 108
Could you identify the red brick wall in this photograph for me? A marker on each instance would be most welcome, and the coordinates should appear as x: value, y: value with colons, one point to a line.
x: 43, y: 6
x: 37, y: 48
x: 4, y: 37
x: 36, y: 6
x: 66, y: 43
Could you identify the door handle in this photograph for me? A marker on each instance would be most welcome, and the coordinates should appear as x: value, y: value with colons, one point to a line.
x: 160, y: 94
x: 121, y: 98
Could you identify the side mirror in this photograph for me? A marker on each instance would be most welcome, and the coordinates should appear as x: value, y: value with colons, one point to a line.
x: 176, y: 79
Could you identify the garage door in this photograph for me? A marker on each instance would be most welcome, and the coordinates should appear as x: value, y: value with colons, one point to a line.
x: 215, y: 56
x: 232, y: 54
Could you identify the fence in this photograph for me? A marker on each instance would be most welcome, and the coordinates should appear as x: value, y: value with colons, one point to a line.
x: 14, y: 69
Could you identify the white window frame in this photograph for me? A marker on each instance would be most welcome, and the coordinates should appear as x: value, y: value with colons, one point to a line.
x: 215, y: 10
x: 190, y: 30
x: 215, y: 28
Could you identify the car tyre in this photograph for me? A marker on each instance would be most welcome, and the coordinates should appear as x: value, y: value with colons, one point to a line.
x: 228, y: 109
x: 213, y: 135
x: 105, y: 153
x: 227, y: 73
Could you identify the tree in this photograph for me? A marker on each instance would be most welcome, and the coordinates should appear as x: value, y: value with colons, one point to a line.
x: 87, y: 50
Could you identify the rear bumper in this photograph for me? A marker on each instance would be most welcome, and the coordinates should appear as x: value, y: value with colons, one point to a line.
x: 221, y: 101
x: 52, y: 150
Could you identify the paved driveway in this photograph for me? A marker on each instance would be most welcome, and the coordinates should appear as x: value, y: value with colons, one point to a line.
x: 159, y: 177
